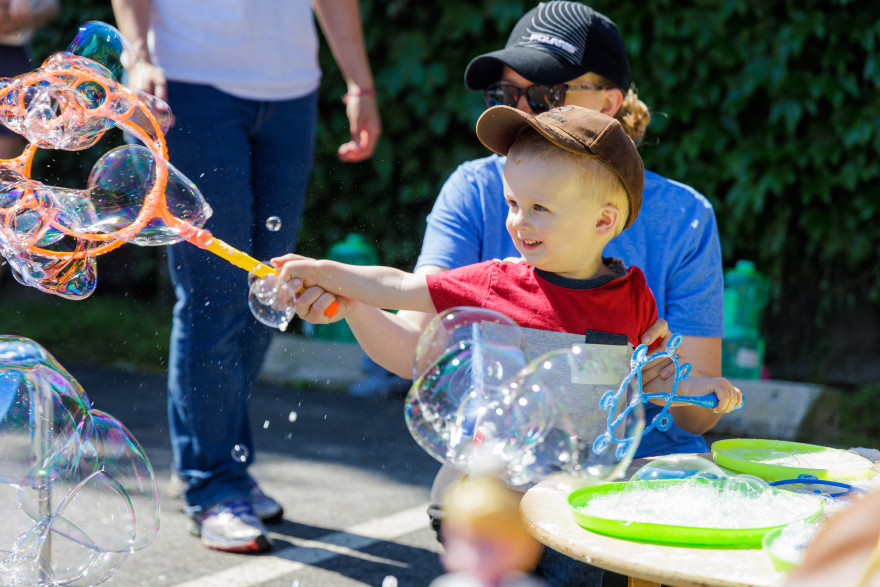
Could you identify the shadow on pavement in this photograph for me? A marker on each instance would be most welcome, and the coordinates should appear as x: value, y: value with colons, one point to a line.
x: 330, y: 427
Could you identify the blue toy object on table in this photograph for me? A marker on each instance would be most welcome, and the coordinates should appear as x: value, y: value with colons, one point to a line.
x: 813, y: 480
x: 661, y: 421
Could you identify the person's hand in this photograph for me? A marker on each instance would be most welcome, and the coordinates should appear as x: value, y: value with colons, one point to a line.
x: 662, y: 367
x: 311, y: 300
x: 365, y: 127
x: 314, y: 301
x: 150, y: 79
x: 729, y: 397
x: 14, y: 16
x: 20, y: 12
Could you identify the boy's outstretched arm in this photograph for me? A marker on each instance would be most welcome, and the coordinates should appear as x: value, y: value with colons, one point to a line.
x: 379, y: 287
x: 388, y: 339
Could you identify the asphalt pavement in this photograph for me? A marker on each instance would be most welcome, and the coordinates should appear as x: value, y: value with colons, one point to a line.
x: 353, y: 483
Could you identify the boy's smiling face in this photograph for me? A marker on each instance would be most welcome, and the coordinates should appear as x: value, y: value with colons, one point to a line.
x: 553, y: 226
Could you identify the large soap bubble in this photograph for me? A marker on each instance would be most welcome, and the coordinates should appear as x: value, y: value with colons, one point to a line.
x: 477, y: 399
x: 105, y: 45
x: 77, y: 491
x: 463, y: 354
x: 679, y: 467
x: 51, y: 236
x: 565, y: 388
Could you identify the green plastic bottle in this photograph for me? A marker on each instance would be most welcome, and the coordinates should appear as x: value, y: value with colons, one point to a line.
x: 746, y: 293
x: 354, y: 250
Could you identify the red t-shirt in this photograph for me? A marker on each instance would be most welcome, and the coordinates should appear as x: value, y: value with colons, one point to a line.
x: 605, y: 310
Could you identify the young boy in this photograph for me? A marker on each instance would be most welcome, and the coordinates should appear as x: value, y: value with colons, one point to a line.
x: 573, y: 181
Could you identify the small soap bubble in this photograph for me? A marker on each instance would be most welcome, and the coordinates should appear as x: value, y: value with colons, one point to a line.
x: 291, y: 417
x: 295, y: 583
x: 273, y: 223
x: 389, y: 581
x: 271, y: 300
x: 240, y: 453
x: 265, y: 424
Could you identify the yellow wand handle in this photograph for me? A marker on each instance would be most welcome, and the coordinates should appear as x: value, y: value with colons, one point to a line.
x: 239, y: 259
x: 206, y: 241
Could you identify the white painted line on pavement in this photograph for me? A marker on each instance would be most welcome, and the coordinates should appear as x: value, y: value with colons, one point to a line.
x: 346, y: 542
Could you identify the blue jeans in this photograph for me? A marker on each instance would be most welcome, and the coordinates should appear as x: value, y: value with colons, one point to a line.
x: 250, y: 160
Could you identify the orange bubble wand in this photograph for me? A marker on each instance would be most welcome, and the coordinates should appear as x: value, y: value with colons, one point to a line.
x: 70, y: 76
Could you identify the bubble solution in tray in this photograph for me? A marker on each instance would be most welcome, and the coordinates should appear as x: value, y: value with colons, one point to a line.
x: 778, y: 459
x: 687, y: 500
x: 787, y: 547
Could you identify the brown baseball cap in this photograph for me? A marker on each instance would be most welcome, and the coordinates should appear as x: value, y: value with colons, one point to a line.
x: 576, y: 129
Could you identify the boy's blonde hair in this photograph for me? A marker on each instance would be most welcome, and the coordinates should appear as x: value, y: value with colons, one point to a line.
x: 596, y: 181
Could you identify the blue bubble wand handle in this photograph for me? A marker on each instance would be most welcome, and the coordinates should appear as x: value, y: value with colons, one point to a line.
x: 710, y: 400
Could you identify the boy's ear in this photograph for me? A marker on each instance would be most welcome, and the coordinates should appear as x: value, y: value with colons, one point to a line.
x: 607, y: 218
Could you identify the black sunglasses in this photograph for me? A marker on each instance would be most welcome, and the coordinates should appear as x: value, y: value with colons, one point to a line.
x: 541, y: 98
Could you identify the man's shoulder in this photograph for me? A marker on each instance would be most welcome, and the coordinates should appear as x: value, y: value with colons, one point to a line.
x: 673, y: 192
x: 487, y: 168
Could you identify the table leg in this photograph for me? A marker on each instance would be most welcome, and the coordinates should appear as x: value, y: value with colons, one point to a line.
x: 633, y: 582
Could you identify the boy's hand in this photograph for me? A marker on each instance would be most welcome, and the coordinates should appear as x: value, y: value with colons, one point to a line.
x: 310, y: 304
x: 729, y: 397
x: 658, y: 367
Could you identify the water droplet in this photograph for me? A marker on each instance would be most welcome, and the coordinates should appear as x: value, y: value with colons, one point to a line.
x: 240, y: 453
x: 291, y: 417
x: 265, y: 424
x: 273, y: 223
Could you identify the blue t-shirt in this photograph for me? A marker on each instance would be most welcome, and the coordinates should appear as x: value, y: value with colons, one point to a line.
x: 674, y: 241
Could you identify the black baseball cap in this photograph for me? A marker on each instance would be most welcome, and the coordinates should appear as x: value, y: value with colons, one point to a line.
x: 553, y: 43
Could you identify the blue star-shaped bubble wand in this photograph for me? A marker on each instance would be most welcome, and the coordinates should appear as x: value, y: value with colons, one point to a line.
x: 661, y: 421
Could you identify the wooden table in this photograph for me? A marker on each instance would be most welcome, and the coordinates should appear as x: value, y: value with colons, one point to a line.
x: 547, y: 517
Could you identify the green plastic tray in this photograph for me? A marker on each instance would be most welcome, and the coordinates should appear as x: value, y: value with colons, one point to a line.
x: 780, y: 564
x: 741, y: 455
x: 660, y: 533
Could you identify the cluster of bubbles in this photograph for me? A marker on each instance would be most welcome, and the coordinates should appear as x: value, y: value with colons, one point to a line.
x: 801, y: 456
x: 479, y: 401
x: 77, y: 490
x: 687, y: 490
x: 51, y: 235
x: 791, y: 544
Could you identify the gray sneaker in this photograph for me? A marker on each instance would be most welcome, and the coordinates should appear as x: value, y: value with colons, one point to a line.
x: 231, y: 526
x: 268, y: 510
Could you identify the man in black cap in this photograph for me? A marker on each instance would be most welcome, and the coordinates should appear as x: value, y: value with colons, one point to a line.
x: 554, y: 43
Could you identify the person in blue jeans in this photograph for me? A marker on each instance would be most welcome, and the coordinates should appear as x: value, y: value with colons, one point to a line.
x: 566, y: 53
x: 241, y: 77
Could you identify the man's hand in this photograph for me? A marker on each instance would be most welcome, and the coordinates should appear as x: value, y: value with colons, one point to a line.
x: 20, y: 13
x: 14, y: 16
x: 365, y: 127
